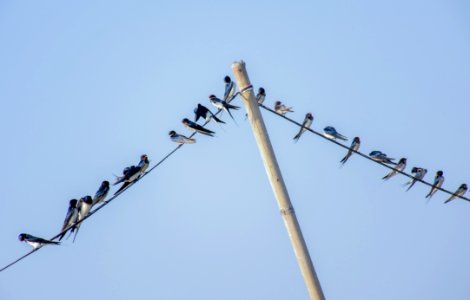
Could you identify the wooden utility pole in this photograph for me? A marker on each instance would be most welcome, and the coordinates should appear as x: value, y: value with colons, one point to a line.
x: 277, y: 182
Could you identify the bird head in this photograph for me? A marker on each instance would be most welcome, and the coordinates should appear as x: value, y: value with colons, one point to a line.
x: 22, y: 237
x: 73, y: 203
x: 227, y: 79
x: 261, y: 91
x: 439, y: 173
x: 172, y: 133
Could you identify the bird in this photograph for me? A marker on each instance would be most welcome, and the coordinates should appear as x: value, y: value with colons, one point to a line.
x: 281, y: 108
x: 381, y: 157
x: 222, y: 105
x: 132, y: 173
x: 306, y: 124
x: 206, y: 114
x: 101, y: 193
x: 438, y: 181
x: 261, y: 96
x: 35, y: 242
x: 180, y: 139
x: 458, y: 193
x: 354, y: 147
x: 70, y: 218
x: 230, y: 88
x: 418, y: 174
x: 196, y: 127
x: 331, y: 133
x: 84, y: 206
x: 399, y: 168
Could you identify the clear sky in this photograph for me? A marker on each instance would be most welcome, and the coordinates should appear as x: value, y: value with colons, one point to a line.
x: 86, y: 87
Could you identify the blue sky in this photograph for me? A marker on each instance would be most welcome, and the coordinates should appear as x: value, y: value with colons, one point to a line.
x: 86, y: 88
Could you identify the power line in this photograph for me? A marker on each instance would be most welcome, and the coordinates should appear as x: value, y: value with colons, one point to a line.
x: 360, y: 153
x: 107, y: 201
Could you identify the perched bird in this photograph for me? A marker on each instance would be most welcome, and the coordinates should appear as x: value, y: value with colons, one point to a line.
x: 458, y: 193
x: 220, y: 104
x: 331, y: 133
x: 281, y: 108
x: 196, y: 127
x: 84, y: 206
x: 381, y: 157
x: 206, y: 114
x: 101, y: 193
x: 180, y: 139
x: 418, y: 174
x: 34, y: 241
x: 354, y: 147
x: 399, y: 168
x: 261, y: 96
x: 230, y: 88
x: 438, y: 181
x: 132, y: 173
x: 306, y: 124
x: 70, y: 218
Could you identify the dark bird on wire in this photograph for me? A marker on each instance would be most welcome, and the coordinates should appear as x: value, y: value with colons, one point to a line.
x: 196, y: 127
x: 438, y: 181
x: 84, y: 206
x: 398, y: 168
x: 418, y: 174
x: 180, y: 139
x: 281, y: 108
x: 381, y: 157
x: 203, y: 112
x: 222, y: 105
x: 354, y: 147
x: 70, y: 218
x: 306, y: 124
x: 132, y: 173
x: 331, y: 133
x: 35, y: 242
x: 261, y: 96
x: 230, y: 88
x: 101, y: 193
x: 458, y: 193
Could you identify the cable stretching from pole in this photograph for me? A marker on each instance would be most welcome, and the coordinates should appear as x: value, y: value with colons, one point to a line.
x: 360, y: 153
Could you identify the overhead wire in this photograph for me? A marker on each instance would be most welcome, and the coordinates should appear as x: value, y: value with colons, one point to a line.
x: 193, y: 134
x: 107, y: 201
x: 360, y: 153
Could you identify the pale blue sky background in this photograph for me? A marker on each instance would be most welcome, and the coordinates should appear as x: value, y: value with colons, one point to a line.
x: 88, y: 86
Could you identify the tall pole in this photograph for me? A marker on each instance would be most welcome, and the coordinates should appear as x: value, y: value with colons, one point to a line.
x: 277, y: 182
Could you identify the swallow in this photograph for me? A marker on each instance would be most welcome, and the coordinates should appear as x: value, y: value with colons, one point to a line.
x: 458, y: 193
x: 331, y: 133
x: 381, y: 157
x: 101, y: 193
x: 230, y: 88
x: 261, y: 96
x: 132, y: 173
x: 180, y: 139
x: 281, y: 108
x: 438, y: 181
x: 196, y: 127
x: 70, y: 218
x: 418, y: 174
x: 306, y: 124
x: 354, y: 147
x: 35, y: 242
x: 206, y: 114
x: 84, y: 206
x: 399, y: 168
x: 222, y: 105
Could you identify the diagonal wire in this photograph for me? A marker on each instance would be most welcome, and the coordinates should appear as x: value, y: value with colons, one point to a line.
x: 360, y: 153
x: 107, y: 201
